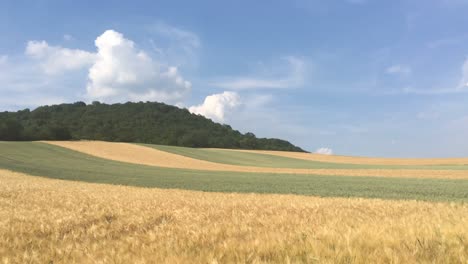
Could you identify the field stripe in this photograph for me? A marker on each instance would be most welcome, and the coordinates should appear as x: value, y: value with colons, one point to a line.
x: 60, y: 163
x: 138, y: 154
x: 268, y: 160
x: 361, y: 160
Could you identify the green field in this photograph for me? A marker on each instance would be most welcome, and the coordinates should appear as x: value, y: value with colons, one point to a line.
x: 42, y: 159
x: 272, y: 161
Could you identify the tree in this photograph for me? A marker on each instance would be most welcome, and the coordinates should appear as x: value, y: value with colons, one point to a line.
x: 11, y: 130
x: 59, y: 133
x: 150, y: 122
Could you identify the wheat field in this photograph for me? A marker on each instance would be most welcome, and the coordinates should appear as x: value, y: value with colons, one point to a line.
x: 137, y: 154
x: 54, y: 221
x: 360, y: 160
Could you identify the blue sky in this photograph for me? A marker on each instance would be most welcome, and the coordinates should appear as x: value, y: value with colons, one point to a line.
x: 358, y: 77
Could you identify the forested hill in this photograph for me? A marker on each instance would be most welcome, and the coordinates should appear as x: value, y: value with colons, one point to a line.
x: 149, y: 122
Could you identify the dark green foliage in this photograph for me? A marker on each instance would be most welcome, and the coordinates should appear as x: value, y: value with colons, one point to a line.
x: 59, y: 133
x: 149, y: 122
x: 11, y: 129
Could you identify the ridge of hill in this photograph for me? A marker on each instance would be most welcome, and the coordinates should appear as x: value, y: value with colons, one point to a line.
x: 143, y: 122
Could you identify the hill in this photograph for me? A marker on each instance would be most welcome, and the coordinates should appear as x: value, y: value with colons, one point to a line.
x: 149, y: 122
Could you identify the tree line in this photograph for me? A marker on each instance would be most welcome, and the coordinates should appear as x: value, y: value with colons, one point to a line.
x: 143, y: 122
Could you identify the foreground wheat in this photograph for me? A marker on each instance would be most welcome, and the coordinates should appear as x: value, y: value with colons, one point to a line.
x: 53, y: 221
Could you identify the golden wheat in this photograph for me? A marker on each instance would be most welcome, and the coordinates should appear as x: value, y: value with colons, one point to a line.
x: 137, y: 154
x: 54, y: 221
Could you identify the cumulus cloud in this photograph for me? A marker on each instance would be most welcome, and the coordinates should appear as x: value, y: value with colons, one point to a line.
x: 324, y: 151
x: 217, y: 106
x: 118, y: 71
x: 55, y: 59
x: 123, y: 72
x: 399, y: 69
x: 291, y: 76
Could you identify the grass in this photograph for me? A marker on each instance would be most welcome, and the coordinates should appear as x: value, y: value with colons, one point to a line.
x: 272, y: 161
x: 53, y: 221
x: 55, y: 162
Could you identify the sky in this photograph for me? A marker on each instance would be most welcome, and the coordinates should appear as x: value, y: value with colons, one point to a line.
x: 348, y: 77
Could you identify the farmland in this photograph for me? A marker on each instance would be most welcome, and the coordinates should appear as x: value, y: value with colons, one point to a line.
x: 63, y: 202
x: 42, y: 159
x: 44, y: 221
x: 216, y: 161
x: 284, y: 159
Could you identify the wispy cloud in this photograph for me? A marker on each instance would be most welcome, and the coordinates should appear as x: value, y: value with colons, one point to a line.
x: 188, y: 37
x: 464, y: 80
x: 176, y: 45
x: 399, y: 69
x: 460, y: 87
x: 428, y: 91
x: 27, y: 100
x: 443, y: 42
x: 292, y: 76
x: 68, y: 37
x: 356, y: 2
x: 3, y: 59
x: 453, y: 3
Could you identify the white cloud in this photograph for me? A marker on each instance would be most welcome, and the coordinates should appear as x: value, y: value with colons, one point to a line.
x: 122, y: 72
x: 290, y: 77
x: 217, y: 106
x: 399, y: 69
x: 324, y: 151
x: 55, y: 59
x: 118, y: 71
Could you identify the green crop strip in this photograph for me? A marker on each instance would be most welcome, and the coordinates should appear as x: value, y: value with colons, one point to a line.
x: 55, y: 162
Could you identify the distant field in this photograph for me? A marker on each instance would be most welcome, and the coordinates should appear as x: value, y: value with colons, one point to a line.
x: 281, y: 159
x: 362, y: 160
x: 53, y: 221
x: 152, y: 156
x: 56, y: 162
